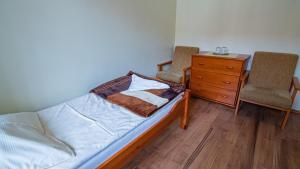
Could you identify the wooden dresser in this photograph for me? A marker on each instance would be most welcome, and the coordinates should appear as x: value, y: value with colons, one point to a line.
x: 216, y: 77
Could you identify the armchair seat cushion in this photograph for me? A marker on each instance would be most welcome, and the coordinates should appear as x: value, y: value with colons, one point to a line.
x: 169, y: 76
x: 273, y: 97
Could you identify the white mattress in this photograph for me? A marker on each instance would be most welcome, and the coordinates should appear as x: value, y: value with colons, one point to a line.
x: 107, y: 126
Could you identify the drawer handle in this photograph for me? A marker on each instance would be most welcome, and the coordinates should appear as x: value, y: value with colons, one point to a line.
x: 226, y: 82
x: 201, y: 64
x: 228, y: 67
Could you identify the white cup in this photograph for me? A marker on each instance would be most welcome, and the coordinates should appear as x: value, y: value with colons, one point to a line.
x: 219, y: 50
x: 225, y: 50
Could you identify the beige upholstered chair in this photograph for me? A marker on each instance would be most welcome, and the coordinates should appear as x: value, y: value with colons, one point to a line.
x: 271, y: 82
x: 179, y: 66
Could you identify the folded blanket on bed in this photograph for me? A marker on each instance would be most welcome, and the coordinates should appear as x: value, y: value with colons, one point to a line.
x: 122, y: 83
x: 142, y: 102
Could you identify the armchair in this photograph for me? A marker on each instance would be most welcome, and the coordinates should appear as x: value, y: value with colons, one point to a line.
x: 270, y: 82
x: 179, y: 67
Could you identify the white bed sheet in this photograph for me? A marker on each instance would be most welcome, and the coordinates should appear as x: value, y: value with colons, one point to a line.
x: 124, y: 129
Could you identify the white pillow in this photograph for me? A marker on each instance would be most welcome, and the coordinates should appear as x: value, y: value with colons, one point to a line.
x: 27, y: 118
x: 23, y: 143
x: 138, y: 83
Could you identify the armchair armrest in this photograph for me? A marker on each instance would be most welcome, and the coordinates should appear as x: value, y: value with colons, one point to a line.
x: 184, y: 73
x: 296, y: 86
x: 296, y: 83
x: 160, y: 66
x: 244, y: 78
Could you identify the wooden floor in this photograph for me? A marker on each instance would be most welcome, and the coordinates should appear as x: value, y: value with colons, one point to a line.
x: 217, y: 140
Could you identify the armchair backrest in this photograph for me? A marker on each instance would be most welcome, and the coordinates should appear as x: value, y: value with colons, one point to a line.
x: 183, y: 57
x: 273, y: 70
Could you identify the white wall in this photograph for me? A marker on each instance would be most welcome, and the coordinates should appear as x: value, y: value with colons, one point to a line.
x: 52, y: 51
x: 244, y: 26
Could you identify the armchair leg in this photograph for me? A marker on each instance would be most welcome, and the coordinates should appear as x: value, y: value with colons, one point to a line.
x: 286, y: 116
x: 237, y: 107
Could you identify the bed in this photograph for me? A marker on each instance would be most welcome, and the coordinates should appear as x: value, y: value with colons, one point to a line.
x: 121, y: 135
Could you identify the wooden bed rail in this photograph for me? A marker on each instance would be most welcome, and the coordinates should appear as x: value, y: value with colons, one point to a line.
x: 126, y: 154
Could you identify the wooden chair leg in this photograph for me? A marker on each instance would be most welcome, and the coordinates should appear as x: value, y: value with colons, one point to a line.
x: 286, y: 116
x: 237, y: 107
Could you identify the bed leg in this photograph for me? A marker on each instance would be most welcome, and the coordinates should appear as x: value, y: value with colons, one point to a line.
x: 185, y: 116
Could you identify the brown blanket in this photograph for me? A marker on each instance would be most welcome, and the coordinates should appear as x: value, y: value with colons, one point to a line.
x: 134, y: 102
x: 112, y: 91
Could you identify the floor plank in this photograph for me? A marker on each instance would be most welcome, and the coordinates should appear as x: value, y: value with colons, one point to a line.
x: 216, y: 139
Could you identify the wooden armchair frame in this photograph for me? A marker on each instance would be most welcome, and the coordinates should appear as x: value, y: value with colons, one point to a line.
x: 295, y: 87
x: 184, y: 70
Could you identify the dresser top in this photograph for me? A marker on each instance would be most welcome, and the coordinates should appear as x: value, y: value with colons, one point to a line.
x: 231, y: 56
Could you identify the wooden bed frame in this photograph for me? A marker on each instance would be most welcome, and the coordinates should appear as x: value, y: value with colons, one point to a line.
x: 126, y: 154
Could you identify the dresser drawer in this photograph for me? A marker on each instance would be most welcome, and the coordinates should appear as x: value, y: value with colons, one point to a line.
x: 214, y: 93
x: 215, y: 79
x: 218, y: 65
